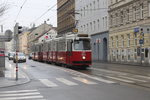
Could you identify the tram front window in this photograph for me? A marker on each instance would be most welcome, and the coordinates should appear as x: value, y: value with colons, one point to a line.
x: 82, y: 44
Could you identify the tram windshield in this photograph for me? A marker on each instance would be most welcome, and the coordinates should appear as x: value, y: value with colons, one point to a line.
x: 82, y: 44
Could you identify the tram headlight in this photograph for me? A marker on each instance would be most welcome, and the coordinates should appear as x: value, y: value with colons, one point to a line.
x: 83, y: 57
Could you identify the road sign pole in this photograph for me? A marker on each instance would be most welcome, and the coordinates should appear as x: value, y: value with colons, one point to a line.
x: 16, y: 39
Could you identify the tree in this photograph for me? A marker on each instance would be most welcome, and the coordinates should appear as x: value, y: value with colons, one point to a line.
x: 3, y: 8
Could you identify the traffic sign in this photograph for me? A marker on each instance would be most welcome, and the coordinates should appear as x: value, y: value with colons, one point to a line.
x: 141, y: 41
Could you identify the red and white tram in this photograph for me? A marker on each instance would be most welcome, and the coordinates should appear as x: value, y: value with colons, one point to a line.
x: 69, y: 50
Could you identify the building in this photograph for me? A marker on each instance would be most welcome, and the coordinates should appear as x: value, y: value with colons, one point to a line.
x: 23, y: 42
x: 51, y: 34
x: 35, y: 35
x: 65, y: 16
x: 92, y: 17
x: 129, y: 36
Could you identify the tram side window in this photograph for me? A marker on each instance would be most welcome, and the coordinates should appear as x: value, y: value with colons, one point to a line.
x: 69, y: 46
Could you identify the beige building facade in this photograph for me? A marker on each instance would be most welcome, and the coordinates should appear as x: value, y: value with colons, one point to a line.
x: 36, y: 33
x: 129, y: 31
x: 23, y: 41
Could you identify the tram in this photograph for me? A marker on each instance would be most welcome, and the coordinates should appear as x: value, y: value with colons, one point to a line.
x: 69, y: 50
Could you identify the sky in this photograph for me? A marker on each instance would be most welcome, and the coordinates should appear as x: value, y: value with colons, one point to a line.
x: 29, y: 14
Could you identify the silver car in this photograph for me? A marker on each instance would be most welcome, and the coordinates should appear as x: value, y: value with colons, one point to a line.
x: 21, y: 57
x: 11, y: 55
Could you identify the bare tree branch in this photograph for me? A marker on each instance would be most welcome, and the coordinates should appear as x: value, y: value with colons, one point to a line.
x: 3, y: 8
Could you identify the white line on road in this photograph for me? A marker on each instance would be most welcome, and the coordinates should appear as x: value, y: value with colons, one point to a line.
x: 20, y: 94
x: 19, y: 91
x: 65, y: 81
x: 132, y: 79
x: 19, y: 98
x: 103, y: 80
x: 84, y: 80
x: 140, y: 76
x: 120, y: 79
x: 109, y: 71
x: 48, y: 83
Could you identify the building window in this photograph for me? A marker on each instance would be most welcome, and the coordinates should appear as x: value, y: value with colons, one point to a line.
x: 122, y: 39
x: 98, y: 4
x: 112, y: 42
x: 116, y: 19
x: 87, y: 28
x: 84, y: 11
x: 106, y: 21
x: 135, y: 39
x: 98, y: 25
x: 128, y: 36
x: 81, y: 27
x: 91, y: 7
x: 117, y: 42
x: 122, y: 53
x: 103, y: 23
x: 111, y: 20
x: 141, y: 11
x: 84, y: 28
x: 87, y: 10
x: 91, y: 25
x: 128, y: 16
x: 128, y: 54
x: 94, y: 5
x: 94, y: 26
x: 134, y: 13
x: 121, y: 17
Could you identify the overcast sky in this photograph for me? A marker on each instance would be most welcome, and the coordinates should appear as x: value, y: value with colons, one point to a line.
x: 31, y: 11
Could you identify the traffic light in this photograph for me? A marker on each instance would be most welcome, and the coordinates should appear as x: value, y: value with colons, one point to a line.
x: 19, y: 29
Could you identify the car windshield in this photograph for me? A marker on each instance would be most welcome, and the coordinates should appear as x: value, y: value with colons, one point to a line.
x: 21, y: 54
x: 11, y: 54
x: 82, y: 44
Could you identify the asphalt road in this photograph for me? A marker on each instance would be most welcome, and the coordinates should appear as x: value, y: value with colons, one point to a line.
x: 50, y: 82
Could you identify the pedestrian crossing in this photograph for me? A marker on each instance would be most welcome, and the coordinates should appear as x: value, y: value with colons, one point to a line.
x: 21, y: 95
x: 74, y: 81
x: 92, y: 80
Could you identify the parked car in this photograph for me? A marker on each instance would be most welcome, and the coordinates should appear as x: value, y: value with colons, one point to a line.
x: 10, y: 55
x: 21, y: 57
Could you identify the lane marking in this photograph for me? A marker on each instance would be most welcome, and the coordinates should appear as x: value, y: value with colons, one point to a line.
x: 109, y: 71
x: 103, y: 80
x: 84, y: 80
x: 65, y: 81
x: 48, y: 83
x: 18, y: 91
x: 120, y: 79
x: 19, y: 98
x: 79, y: 74
x: 140, y: 76
x: 22, y: 94
x: 130, y: 78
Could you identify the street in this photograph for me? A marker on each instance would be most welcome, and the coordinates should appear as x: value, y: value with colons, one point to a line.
x: 51, y: 82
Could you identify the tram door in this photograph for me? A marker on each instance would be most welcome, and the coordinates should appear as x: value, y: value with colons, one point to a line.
x: 69, y: 52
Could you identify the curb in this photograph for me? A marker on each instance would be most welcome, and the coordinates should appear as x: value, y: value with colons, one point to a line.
x: 27, y: 80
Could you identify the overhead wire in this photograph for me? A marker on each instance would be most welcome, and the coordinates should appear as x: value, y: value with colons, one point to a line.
x: 20, y: 10
x: 45, y: 12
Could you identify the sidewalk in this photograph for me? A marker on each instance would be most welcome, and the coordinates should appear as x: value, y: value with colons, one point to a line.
x: 134, y: 69
x: 9, y: 78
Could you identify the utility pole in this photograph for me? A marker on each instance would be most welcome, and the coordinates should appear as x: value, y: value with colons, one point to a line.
x: 16, y: 33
